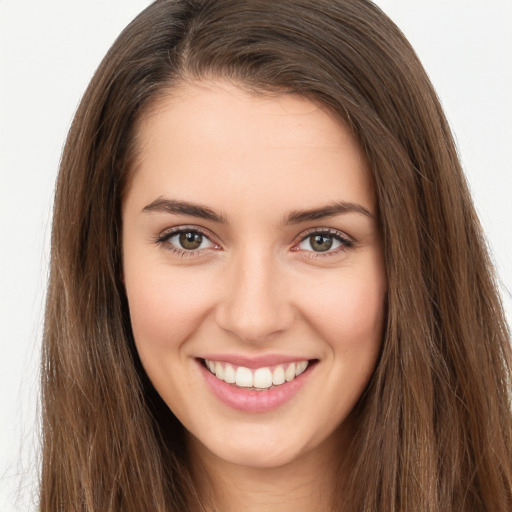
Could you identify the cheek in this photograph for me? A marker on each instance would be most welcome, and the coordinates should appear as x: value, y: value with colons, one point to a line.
x: 350, y: 313
x: 164, y: 309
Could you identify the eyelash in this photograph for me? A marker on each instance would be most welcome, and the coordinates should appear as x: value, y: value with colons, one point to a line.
x: 163, y: 241
x: 344, y: 241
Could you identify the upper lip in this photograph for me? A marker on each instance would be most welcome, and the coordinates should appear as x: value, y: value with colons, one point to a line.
x: 254, y: 362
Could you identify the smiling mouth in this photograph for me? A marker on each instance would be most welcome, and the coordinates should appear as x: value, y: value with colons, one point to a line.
x: 257, y: 379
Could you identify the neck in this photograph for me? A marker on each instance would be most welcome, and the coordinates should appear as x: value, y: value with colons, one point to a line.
x: 304, y: 484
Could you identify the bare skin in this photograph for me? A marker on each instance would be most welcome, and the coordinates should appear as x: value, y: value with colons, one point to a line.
x: 250, y: 233
x: 303, y: 485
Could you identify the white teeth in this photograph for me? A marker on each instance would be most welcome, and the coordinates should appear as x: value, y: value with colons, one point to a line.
x: 278, y: 375
x: 219, y: 371
x: 300, y: 368
x: 260, y: 378
x: 289, y: 374
x: 244, y: 377
x: 229, y: 374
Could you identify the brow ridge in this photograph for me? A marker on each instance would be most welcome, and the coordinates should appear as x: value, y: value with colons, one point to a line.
x: 174, y: 206
x: 330, y: 210
x: 177, y: 207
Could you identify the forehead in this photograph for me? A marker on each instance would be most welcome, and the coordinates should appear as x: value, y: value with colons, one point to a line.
x: 213, y: 141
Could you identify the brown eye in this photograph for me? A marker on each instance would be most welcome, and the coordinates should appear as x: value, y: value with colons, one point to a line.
x: 324, y: 242
x: 321, y: 243
x: 186, y: 241
x: 190, y: 240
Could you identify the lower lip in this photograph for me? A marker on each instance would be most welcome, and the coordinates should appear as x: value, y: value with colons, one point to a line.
x: 254, y: 401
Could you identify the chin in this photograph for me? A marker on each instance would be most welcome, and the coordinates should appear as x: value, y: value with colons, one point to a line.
x: 258, y: 448
x: 256, y: 457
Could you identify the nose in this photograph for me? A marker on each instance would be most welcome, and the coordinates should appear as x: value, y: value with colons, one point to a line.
x: 255, y: 305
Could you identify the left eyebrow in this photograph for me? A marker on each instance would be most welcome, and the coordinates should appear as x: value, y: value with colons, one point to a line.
x: 330, y: 210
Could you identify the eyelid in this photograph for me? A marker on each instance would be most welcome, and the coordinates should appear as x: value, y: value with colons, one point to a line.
x: 347, y: 242
x: 163, y: 237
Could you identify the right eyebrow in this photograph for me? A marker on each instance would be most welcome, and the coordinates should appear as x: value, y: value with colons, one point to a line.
x: 173, y: 206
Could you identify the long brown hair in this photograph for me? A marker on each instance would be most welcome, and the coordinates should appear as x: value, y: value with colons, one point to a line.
x: 434, y: 427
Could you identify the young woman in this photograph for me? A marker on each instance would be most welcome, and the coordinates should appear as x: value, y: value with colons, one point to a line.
x: 269, y: 288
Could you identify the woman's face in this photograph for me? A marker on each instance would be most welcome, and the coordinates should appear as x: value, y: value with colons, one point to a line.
x: 254, y: 270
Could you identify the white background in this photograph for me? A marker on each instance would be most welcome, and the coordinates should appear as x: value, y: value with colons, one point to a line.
x: 49, y: 51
